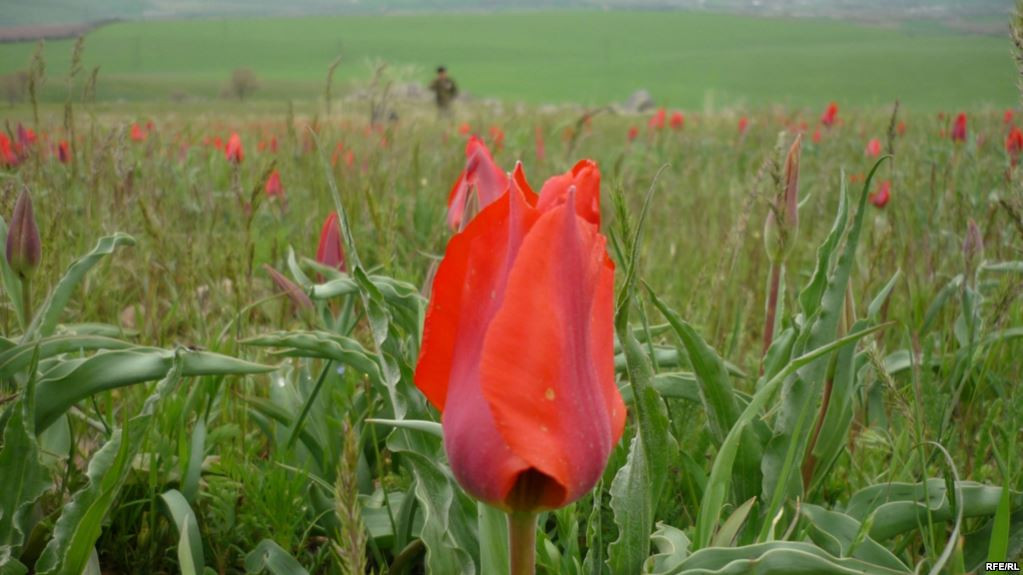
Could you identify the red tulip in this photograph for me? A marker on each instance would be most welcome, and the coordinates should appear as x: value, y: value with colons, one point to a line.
x: 496, y: 138
x: 63, y: 152
x: 480, y: 172
x: 678, y: 121
x: 743, y: 124
x: 633, y: 132
x: 233, y: 151
x: 273, y: 144
x: 7, y: 156
x: 959, y: 128
x: 464, y: 129
x: 829, y: 115
x: 900, y: 129
x: 274, y: 189
x: 873, y: 148
x: 330, y: 252
x: 137, y: 134
x: 26, y: 136
x: 518, y: 346
x: 882, y: 195
x: 1014, y: 144
x: 816, y: 136
x: 656, y: 121
x: 1007, y: 119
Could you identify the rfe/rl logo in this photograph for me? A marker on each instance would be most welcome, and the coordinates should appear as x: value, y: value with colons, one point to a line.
x: 1010, y: 567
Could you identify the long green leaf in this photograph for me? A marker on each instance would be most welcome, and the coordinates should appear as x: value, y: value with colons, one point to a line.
x: 190, y: 554
x: 49, y: 313
x: 79, y: 525
x: 74, y: 380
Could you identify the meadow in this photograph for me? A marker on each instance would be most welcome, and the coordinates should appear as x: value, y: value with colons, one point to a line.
x: 190, y: 381
x: 686, y: 59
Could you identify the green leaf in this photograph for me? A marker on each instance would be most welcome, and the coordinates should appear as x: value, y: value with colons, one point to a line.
x: 718, y: 398
x: 49, y: 313
x: 323, y: 345
x: 190, y: 553
x: 74, y: 380
x: 269, y: 557
x: 672, y: 549
x: 447, y: 524
x: 637, y: 486
x: 79, y: 525
x: 17, y: 358
x: 431, y: 427
x: 776, y: 558
x: 842, y: 536
x: 25, y: 477
x: 895, y: 508
x: 493, y: 529
x: 998, y: 550
x: 719, y: 481
x: 197, y: 451
x: 730, y: 528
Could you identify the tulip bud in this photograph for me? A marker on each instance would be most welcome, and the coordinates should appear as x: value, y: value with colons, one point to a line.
x: 298, y: 297
x: 783, y: 217
x: 23, y: 245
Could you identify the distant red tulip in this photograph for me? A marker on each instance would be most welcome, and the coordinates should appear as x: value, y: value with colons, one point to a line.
x: 816, y: 136
x: 1014, y: 144
x: 464, y: 129
x: 541, y: 149
x: 480, y: 172
x: 656, y: 121
x: 496, y: 138
x: 633, y: 133
x: 274, y: 189
x: 7, y: 156
x: 900, y: 128
x: 882, y: 195
x: 63, y: 152
x: 233, y: 151
x: 137, y: 133
x: 26, y: 136
x: 830, y: 115
x: 677, y: 121
x: 529, y: 407
x: 273, y: 144
x: 959, y: 128
x: 330, y: 252
x: 743, y: 124
x: 873, y: 148
x: 1007, y: 119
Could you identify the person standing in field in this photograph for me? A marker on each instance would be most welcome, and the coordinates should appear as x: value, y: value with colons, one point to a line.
x: 444, y: 89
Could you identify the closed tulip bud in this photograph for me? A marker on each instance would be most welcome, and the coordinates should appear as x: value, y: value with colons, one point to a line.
x: 973, y: 244
x: 783, y: 217
x: 24, y: 248
x: 298, y: 297
x: 330, y: 251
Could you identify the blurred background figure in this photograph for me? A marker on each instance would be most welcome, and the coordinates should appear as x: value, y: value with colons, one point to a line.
x: 445, y: 90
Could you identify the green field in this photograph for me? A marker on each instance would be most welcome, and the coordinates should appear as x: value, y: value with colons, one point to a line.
x: 686, y: 59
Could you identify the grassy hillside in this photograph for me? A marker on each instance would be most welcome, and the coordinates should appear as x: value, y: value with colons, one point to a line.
x: 683, y: 58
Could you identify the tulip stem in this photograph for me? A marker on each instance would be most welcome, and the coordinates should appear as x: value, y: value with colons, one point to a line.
x: 772, y: 306
x: 522, y: 542
x: 26, y: 300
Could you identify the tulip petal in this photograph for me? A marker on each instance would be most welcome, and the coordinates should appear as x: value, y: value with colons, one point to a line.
x: 467, y: 292
x: 480, y: 171
x: 547, y: 369
x: 585, y: 178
